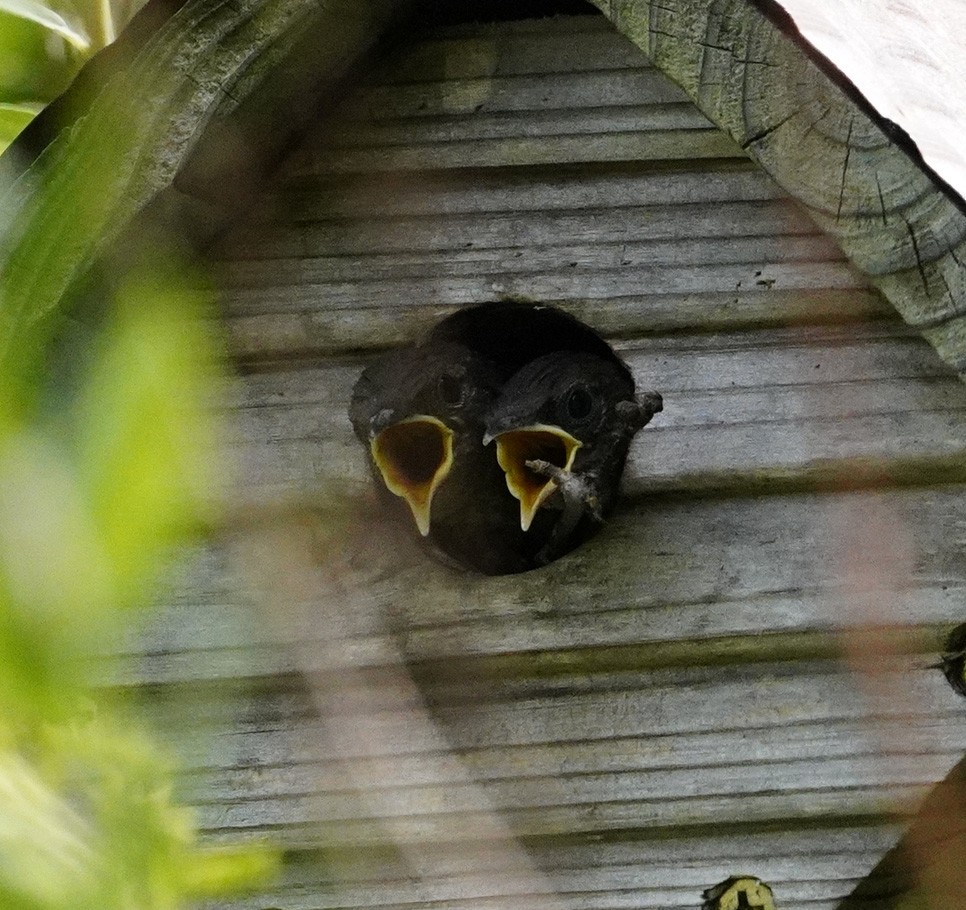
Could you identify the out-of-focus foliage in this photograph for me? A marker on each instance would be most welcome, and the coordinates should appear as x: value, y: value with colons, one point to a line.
x: 43, y: 45
x: 13, y: 118
x: 94, y: 495
x: 103, y: 474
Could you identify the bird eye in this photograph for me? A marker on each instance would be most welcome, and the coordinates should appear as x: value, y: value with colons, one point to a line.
x: 579, y: 403
x: 450, y: 389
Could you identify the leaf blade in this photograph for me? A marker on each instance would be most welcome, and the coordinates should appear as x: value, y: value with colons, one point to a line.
x: 33, y: 11
x: 13, y: 119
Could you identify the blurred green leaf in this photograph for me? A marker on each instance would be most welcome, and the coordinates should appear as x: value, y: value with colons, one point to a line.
x: 45, y: 16
x: 46, y: 857
x: 55, y: 579
x: 91, y: 501
x: 98, y: 482
x: 13, y: 118
x: 86, y: 520
x: 118, y: 841
x: 146, y: 440
x: 49, y: 549
x: 214, y: 872
x: 35, y: 64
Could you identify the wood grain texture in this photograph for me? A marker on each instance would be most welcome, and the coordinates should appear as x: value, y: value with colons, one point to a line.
x: 919, y: 88
x: 658, y: 717
x: 889, y: 216
x: 636, y: 249
x: 761, y: 412
x: 670, y: 704
x: 673, y: 566
x: 684, y: 697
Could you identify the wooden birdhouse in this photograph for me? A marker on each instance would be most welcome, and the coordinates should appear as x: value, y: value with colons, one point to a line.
x: 731, y: 677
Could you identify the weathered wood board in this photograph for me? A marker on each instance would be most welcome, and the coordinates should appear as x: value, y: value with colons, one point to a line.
x: 829, y: 149
x: 687, y: 696
x: 806, y: 405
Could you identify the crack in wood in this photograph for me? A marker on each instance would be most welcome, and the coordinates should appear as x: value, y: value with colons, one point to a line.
x: 919, y: 262
x: 733, y: 52
x: 845, y: 168
x: 949, y: 290
x: 882, y: 205
x: 717, y: 47
x: 762, y: 134
x: 808, y: 129
x: 206, y: 85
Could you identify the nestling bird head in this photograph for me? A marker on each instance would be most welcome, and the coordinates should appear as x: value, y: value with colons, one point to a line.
x: 417, y: 409
x: 571, y: 409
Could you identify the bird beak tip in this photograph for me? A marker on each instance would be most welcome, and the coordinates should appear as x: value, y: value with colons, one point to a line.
x: 420, y: 505
x: 422, y: 523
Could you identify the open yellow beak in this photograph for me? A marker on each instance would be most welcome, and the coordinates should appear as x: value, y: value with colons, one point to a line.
x: 414, y: 457
x: 540, y: 441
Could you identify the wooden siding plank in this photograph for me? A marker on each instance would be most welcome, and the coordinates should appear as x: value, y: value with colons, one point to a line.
x: 618, y: 859
x: 674, y: 589
x: 798, y: 622
x: 510, y: 190
x: 313, y: 332
x: 627, y: 255
x: 693, y: 722
x: 553, y: 284
x: 681, y: 889
x: 655, y: 145
x: 540, y: 124
x: 338, y: 236
x: 577, y: 44
x: 603, y: 818
x: 563, y: 91
x: 736, y: 408
x: 221, y: 787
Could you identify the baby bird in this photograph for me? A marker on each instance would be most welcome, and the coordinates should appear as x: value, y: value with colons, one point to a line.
x: 419, y: 412
x: 563, y: 425
x: 556, y: 399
